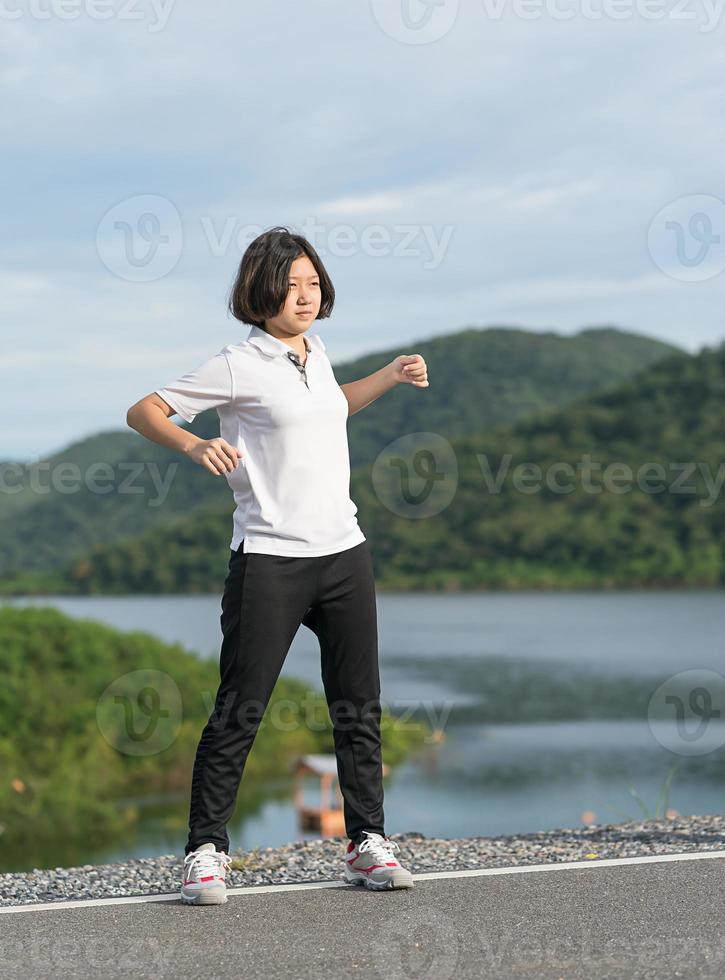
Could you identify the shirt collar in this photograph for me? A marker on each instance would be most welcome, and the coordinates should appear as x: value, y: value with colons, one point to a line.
x: 273, y: 345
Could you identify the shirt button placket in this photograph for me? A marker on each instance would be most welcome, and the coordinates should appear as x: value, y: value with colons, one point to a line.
x: 300, y: 367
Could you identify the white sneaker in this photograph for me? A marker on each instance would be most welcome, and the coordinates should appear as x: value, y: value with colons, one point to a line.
x: 373, y: 864
x: 204, y: 873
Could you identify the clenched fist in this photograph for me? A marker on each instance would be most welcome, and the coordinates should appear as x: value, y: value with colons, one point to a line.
x: 411, y: 369
x: 215, y: 455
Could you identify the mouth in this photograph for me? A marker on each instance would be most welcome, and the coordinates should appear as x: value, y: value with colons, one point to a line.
x: 304, y: 313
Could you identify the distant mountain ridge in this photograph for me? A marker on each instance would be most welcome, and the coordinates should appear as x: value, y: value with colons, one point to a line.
x: 480, y: 378
x: 650, y: 511
x: 484, y: 377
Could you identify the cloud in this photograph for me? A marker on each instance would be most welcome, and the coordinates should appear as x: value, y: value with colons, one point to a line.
x: 534, y: 153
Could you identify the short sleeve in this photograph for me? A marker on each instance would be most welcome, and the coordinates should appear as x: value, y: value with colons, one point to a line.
x: 209, y: 385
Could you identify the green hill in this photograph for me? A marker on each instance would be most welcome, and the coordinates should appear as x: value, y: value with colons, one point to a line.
x: 624, y: 488
x: 483, y: 378
x: 116, y: 486
x: 641, y: 505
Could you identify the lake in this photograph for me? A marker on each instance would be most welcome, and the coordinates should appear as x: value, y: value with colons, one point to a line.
x: 551, y: 705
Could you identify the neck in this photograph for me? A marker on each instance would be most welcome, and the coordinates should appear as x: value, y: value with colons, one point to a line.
x: 298, y: 342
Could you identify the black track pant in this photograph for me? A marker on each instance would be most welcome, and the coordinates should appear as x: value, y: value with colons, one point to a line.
x: 266, y: 598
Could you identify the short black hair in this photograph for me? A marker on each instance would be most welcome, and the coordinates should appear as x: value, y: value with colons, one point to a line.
x: 261, y: 285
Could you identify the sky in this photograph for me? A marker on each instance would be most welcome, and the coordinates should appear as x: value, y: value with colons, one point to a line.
x: 545, y: 164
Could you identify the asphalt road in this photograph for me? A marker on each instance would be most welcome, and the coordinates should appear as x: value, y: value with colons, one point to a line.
x: 639, y: 920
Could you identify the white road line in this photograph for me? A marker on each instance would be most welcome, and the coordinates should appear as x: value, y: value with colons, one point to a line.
x: 427, y: 876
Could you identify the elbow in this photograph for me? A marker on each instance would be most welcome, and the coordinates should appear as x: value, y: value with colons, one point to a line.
x: 131, y: 415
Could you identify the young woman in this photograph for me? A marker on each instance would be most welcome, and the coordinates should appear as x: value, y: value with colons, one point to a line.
x: 298, y: 554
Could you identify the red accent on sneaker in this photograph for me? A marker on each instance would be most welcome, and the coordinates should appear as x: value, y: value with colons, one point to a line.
x: 368, y: 870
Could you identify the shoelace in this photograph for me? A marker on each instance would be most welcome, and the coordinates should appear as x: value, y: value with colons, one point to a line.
x: 205, y: 863
x: 380, y: 848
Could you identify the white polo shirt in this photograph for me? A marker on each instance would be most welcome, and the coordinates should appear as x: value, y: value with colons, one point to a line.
x: 292, y: 483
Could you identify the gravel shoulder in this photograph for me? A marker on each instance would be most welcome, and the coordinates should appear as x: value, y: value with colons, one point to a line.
x: 321, y: 860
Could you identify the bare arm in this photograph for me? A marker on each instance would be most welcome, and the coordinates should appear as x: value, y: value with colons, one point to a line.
x: 150, y: 417
x: 361, y: 393
x: 407, y: 368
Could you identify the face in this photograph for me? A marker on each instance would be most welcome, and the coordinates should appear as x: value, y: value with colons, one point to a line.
x: 303, y: 299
